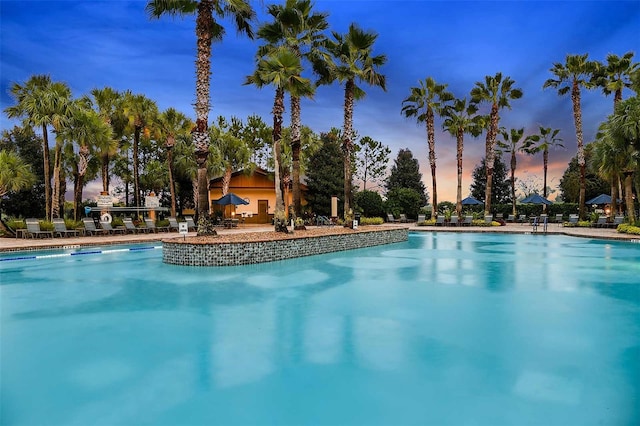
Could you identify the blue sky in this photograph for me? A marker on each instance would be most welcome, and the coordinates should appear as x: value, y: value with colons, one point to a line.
x: 92, y: 44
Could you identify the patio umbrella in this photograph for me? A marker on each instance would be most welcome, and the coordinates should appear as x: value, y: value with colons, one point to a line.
x: 229, y: 199
x: 536, y: 199
x: 600, y: 199
x: 470, y: 201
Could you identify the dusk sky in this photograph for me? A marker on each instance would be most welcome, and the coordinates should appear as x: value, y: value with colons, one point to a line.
x: 93, y: 44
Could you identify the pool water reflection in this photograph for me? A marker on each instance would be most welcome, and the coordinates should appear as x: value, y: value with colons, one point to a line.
x: 447, y: 328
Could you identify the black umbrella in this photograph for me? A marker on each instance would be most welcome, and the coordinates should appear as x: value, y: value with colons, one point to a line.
x: 536, y: 199
x: 470, y: 201
x: 229, y: 199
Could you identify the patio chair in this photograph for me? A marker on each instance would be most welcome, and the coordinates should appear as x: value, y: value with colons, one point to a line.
x: 618, y: 220
x: 600, y: 223
x: 573, y: 219
x: 390, y: 218
x: 523, y: 219
x: 453, y: 221
x: 33, y: 229
x: 173, y: 224
x: 468, y: 220
x: 403, y: 218
x: 151, y: 226
x: 511, y: 218
x: 488, y: 218
x: 499, y: 216
x: 559, y: 218
x: 90, y: 227
x: 422, y: 218
x: 110, y: 229
x: 131, y: 228
x: 60, y: 229
x: 440, y: 220
x: 191, y: 225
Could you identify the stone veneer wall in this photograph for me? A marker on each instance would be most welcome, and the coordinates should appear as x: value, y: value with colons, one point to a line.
x: 244, y: 253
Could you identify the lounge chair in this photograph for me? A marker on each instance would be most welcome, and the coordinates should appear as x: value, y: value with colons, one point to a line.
x: 33, y: 229
x: 422, y: 218
x: 390, y: 218
x: 511, y: 218
x: 600, y: 223
x: 151, y: 226
x: 618, y: 220
x: 573, y: 219
x: 60, y: 229
x: 468, y: 220
x: 130, y: 227
x: 499, y: 216
x: 191, y: 225
x: 440, y: 220
x: 173, y: 224
x: 110, y: 229
x: 522, y: 219
x: 403, y: 218
x: 453, y: 221
x: 90, y: 227
x: 559, y: 219
x: 488, y: 218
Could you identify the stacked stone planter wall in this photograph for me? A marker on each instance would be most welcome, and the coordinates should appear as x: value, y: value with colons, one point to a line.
x: 243, y: 253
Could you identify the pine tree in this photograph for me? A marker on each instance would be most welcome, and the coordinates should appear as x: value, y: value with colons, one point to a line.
x: 325, y: 175
x: 405, y: 173
x: 500, y: 193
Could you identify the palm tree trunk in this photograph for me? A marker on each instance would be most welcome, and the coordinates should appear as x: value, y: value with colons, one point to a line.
x: 628, y: 195
x: 77, y: 196
x: 47, y: 172
x: 513, y: 181
x: 226, y: 180
x: 55, y: 198
x: 280, y: 220
x: 203, y: 185
x: 347, y: 144
x: 459, y: 146
x: 545, y: 167
x: 105, y: 172
x: 136, y: 177
x: 432, y: 160
x: 172, y: 183
x: 577, y: 118
x: 614, y: 193
x: 295, y: 153
x: 490, y: 157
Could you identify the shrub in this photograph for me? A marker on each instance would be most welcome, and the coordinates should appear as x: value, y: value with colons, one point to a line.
x: 369, y: 203
x: 428, y: 222
x: 626, y: 228
x: 16, y: 224
x: 371, y: 221
x: 404, y: 200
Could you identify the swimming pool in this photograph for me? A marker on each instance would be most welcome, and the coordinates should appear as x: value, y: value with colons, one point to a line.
x: 447, y: 328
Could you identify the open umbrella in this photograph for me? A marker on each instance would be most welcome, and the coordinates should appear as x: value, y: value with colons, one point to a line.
x: 536, y: 199
x: 229, y: 199
x: 600, y: 199
x: 470, y: 201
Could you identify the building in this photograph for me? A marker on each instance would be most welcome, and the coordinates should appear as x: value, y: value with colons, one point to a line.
x: 258, y: 189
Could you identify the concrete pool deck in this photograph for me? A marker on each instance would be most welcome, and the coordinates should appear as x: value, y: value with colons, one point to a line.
x: 17, y: 244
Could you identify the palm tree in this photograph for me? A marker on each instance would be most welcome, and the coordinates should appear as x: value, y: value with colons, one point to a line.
x: 108, y: 104
x: 141, y: 112
x: 298, y: 28
x: 170, y: 125
x: 575, y: 73
x: 86, y: 130
x: 208, y: 29
x: 351, y: 61
x: 615, y: 75
x: 513, y: 142
x: 498, y: 92
x: 460, y: 119
x: 15, y: 175
x: 281, y: 69
x: 608, y: 160
x: 39, y: 103
x: 548, y: 138
x: 233, y: 152
x: 423, y: 103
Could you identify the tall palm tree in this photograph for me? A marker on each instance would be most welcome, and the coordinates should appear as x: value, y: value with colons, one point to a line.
x: 514, y: 142
x: 575, y: 73
x: 172, y: 124
x: 281, y: 69
x: 40, y: 103
x: 424, y: 103
x: 107, y: 102
x: 460, y: 119
x: 15, y: 175
x: 351, y: 61
x: 615, y: 75
x: 208, y: 29
x: 297, y: 27
x: 548, y: 138
x: 233, y: 151
x: 608, y: 159
x: 141, y: 113
x: 499, y: 93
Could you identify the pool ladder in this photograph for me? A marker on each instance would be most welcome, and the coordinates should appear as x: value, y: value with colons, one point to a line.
x: 536, y: 222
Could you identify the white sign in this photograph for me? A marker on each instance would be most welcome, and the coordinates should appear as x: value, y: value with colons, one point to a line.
x: 151, y: 201
x: 183, y: 228
x: 105, y: 201
x: 355, y: 224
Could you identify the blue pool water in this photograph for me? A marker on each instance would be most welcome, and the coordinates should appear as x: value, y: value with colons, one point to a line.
x: 446, y: 329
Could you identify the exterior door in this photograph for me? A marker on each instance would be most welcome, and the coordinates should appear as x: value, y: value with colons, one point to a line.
x: 263, y: 211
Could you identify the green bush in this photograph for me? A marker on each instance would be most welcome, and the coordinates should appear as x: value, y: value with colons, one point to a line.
x: 626, y: 228
x: 369, y: 203
x: 46, y: 225
x: 404, y: 200
x: 371, y: 221
x: 428, y: 222
x: 16, y: 224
